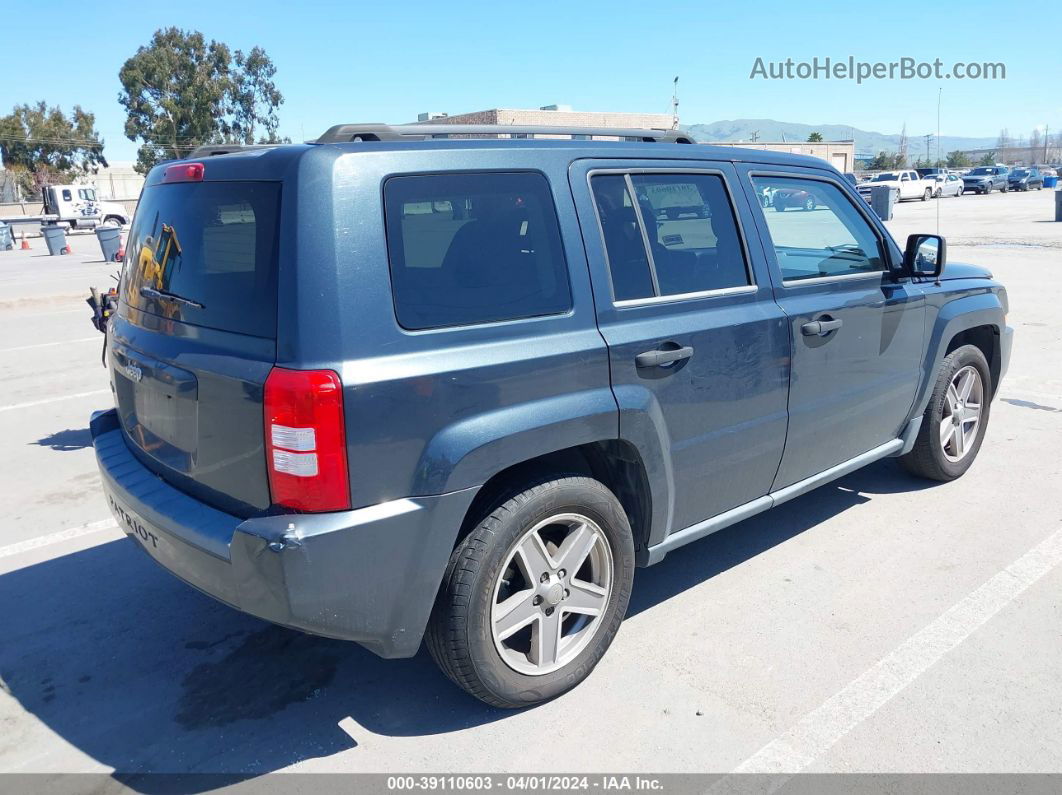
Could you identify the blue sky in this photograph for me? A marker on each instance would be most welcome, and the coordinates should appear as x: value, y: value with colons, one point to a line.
x: 387, y: 61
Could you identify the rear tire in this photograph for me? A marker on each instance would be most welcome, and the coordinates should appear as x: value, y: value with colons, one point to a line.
x: 927, y: 195
x: 470, y: 634
x: 938, y: 452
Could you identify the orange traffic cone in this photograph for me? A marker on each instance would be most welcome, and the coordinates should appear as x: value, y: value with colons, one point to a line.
x: 121, y: 251
x: 25, y: 243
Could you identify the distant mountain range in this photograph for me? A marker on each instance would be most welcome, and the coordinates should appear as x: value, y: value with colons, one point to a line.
x: 866, y: 141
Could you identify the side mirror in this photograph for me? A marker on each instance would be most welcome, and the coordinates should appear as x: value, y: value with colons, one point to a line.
x: 925, y: 255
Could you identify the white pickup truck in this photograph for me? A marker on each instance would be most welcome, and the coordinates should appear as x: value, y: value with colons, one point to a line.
x: 908, y: 184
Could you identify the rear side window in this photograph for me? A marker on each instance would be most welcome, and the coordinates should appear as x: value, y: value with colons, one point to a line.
x: 212, y: 244
x: 473, y: 248
x: 668, y: 234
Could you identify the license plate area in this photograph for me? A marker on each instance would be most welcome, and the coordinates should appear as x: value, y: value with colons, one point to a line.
x: 158, y: 408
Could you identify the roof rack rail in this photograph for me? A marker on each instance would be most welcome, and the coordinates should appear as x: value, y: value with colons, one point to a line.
x: 343, y: 133
x: 212, y: 150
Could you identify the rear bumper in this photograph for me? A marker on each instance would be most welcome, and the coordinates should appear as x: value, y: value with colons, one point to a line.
x: 368, y: 575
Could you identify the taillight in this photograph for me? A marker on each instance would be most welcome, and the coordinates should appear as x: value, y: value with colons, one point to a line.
x: 305, y: 441
x: 184, y: 172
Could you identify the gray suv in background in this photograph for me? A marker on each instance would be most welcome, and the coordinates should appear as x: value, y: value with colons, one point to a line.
x: 410, y: 384
x: 985, y: 179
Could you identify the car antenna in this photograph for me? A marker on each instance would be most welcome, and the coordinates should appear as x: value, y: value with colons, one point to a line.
x: 940, y: 92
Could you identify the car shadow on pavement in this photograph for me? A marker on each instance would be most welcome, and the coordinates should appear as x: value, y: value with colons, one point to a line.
x: 70, y: 439
x: 701, y: 560
x: 145, y: 675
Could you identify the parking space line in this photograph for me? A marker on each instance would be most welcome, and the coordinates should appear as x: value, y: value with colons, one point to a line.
x: 49, y: 344
x: 57, y: 538
x: 823, y: 727
x: 32, y: 403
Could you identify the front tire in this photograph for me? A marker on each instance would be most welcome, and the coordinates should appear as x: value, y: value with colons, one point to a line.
x: 954, y: 422
x: 535, y: 593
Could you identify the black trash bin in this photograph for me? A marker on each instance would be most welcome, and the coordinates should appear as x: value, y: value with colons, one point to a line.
x: 55, y: 237
x: 7, y: 240
x: 110, y: 238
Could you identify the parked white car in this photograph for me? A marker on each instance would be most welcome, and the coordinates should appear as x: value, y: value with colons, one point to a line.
x: 946, y: 185
x: 908, y: 184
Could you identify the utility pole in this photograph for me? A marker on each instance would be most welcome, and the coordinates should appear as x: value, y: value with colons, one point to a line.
x: 755, y: 136
x: 929, y: 140
x: 1047, y: 137
x: 674, y: 105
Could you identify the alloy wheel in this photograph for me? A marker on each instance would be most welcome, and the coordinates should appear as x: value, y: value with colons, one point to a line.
x: 961, y: 413
x: 551, y: 594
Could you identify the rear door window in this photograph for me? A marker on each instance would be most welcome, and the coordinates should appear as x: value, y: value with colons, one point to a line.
x: 473, y: 248
x: 676, y: 236
x: 204, y: 253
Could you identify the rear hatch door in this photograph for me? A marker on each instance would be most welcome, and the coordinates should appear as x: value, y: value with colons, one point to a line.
x: 195, y: 336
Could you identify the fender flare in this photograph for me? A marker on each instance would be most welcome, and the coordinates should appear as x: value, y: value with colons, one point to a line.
x: 642, y: 424
x: 961, y: 314
x: 467, y: 453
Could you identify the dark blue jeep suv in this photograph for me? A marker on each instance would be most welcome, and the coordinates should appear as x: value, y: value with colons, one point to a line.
x: 437, y: 383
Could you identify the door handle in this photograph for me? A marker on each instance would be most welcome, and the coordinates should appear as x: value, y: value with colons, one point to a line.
x: 659, y: 358
x: 820, y: 328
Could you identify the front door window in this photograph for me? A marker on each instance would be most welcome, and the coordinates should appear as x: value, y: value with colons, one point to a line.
x: 816, y: 231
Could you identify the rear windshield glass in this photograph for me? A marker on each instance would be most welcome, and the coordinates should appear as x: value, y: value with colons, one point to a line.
x: 204, y: 253
x: 473, y: 248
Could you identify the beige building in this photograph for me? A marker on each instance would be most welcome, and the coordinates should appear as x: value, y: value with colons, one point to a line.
x: 555, y: 116
x: 839, y: 154
x: 119, y: 181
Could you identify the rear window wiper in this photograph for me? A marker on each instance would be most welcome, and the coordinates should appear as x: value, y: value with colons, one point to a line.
x: 163, y: 295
